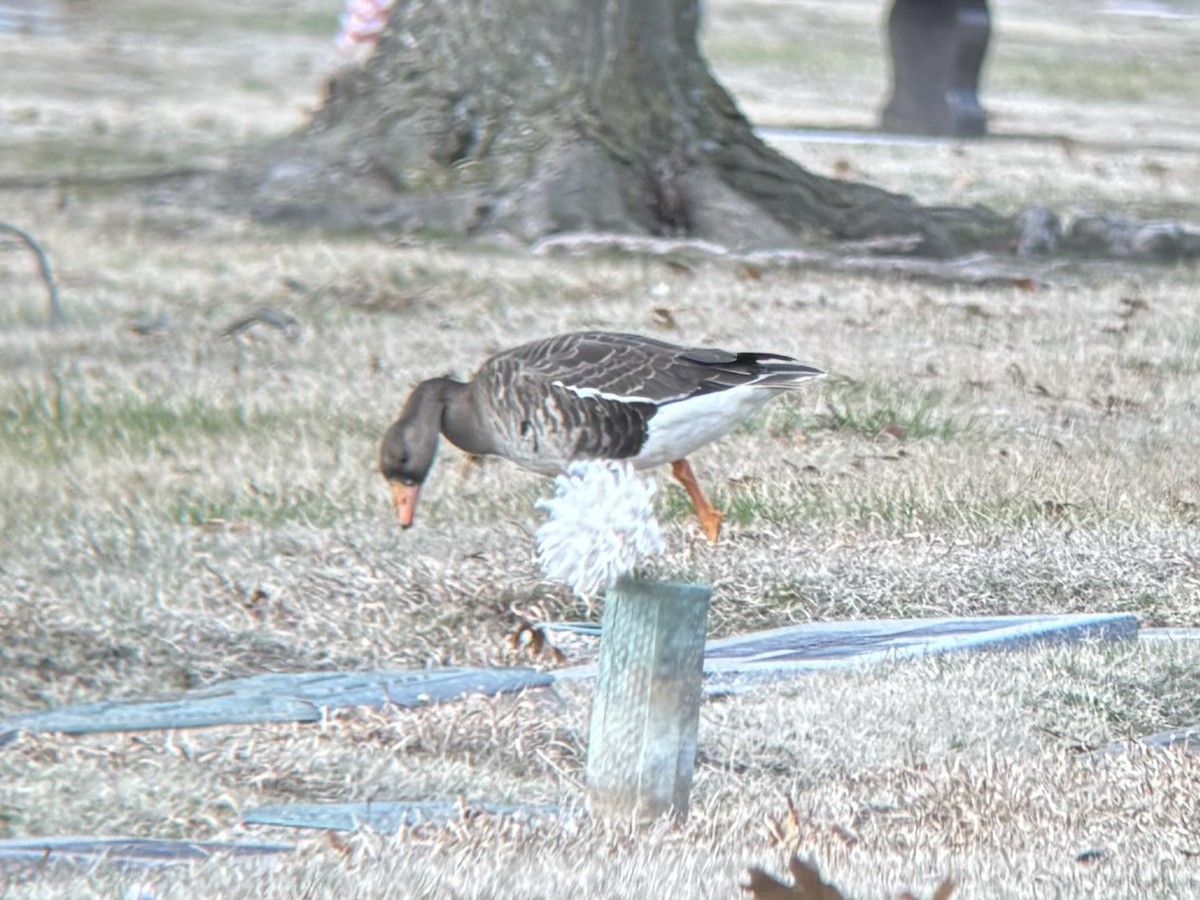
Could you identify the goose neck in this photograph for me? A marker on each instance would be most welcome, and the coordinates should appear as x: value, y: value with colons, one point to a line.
x: 462, y: 421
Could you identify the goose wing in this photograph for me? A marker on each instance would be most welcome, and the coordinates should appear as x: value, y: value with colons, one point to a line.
x: 593, y: 394
x: 634, y: 369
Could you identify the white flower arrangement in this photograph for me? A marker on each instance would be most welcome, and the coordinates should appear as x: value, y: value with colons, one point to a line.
x: 601, y: 523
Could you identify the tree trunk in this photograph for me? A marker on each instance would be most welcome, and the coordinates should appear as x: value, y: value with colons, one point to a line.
x: 536, y: 117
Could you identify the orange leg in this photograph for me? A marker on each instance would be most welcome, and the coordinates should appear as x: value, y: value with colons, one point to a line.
x: 710, y: 517
x: 469, y: 463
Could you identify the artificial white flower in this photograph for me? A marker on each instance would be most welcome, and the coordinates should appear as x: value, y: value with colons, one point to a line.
x: 601, y: 522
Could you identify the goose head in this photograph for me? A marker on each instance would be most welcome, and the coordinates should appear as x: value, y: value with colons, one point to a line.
x: 409, y: 446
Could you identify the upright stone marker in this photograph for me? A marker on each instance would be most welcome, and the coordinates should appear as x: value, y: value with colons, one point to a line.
x: 646, y: 710
x: 938, y: 47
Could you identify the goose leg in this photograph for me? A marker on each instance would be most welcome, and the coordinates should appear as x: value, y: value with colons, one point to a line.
x: 710, y: 517
x: 469, y: 463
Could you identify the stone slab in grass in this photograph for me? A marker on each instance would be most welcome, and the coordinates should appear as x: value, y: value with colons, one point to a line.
x: 778, y: 653
x: 129, y: 850
x: 387, y: 817
x: 1187, y: 739
x: 821, y: 645
x: 818, y: 646
x: 277, y: 697
x: 1170, y: 634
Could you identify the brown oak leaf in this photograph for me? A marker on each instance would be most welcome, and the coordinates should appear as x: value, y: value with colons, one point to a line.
x: 807, y: 884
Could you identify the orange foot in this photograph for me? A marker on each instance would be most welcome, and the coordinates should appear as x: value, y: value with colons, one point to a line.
x: 710, y: 523
x: 710, y: 516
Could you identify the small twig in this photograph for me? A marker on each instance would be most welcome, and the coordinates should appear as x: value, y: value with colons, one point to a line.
x: 56, y: 316
x: 102, y: 179
x: 286, y: 323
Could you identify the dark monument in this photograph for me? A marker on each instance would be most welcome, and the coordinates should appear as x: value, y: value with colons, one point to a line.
x: 937, y: 49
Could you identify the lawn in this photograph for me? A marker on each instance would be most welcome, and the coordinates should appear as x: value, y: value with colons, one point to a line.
x: 182, y: 505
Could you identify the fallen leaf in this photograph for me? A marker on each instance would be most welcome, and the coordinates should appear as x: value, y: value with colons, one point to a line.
x: 1091, y: 855
x: 784, y: 830
x: 293, y: 284
x: 526, y: 634
x: 807, y: 884
x: 663, y: 317
x: 258, y: 597
x: 1113, y: 404
x: 533, y: 638
x: 1131, y: 306
x: 763, y: 887
x: 942, y: 892
x: 338, y: 843
x: 1056, y: 509
x: 848, y: 837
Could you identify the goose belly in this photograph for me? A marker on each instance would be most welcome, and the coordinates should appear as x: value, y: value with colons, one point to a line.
x: 681, y: 428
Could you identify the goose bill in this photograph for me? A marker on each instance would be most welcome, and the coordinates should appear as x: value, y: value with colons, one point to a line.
x: 404, y: 499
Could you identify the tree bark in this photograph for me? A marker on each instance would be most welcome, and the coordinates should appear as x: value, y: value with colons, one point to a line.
x: 536, y: 117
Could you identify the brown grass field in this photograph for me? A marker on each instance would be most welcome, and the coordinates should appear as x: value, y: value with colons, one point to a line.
x: 181, y: 507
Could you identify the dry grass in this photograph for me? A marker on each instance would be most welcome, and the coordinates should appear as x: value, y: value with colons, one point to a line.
x: 183, y: 507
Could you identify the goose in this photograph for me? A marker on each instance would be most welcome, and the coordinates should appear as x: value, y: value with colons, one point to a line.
x: 586, y: 395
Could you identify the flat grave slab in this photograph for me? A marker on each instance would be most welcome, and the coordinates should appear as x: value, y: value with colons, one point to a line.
x: 777, y: 653
x: 129, y: 850
x: 276, y: 697
x: 388, y: 817
x: 819, y: 646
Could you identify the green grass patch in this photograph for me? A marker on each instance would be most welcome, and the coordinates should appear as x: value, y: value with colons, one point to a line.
x: 54, y: 423
x: 783, y: 419
x: 263, y: 507
x: 1095, y: 75
x: 1167, y: 351
x: 824, y: 59
x: 198, y: 20
x: 1135, y: 700
x: 872, y: 410
x: 89, y: 152
x: 868, y: 505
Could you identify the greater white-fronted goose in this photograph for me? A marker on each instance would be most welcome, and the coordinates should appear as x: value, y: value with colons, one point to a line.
x: 586, y: 395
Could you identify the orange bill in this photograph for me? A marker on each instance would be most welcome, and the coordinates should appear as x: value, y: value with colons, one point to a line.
x: 404, y: 499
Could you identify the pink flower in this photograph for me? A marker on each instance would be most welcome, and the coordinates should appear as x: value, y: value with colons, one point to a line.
x: 362, y: 22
